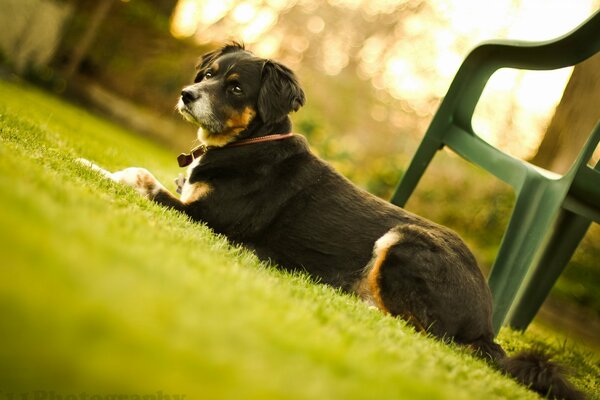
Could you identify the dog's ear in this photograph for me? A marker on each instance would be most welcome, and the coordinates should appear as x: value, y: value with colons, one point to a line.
x: 280, y: 93
x: 209, y: 58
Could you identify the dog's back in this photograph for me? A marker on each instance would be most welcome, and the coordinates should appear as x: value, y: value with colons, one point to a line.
x: 306, y: 216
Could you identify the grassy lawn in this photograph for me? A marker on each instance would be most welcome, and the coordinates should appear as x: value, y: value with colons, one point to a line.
x: 103, y: 292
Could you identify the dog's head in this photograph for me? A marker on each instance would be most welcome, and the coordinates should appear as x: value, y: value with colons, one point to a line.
x: 234, y: 89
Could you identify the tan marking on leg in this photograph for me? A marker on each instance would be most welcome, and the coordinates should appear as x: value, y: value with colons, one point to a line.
x: 368, y: 287
x: 373, y: 280
x: 194, y: 192
x: 364, y: 287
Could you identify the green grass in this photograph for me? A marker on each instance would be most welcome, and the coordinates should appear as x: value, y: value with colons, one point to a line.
x: 104, y: 292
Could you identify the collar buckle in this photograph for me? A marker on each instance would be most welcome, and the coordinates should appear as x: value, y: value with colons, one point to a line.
x: 186, y: 159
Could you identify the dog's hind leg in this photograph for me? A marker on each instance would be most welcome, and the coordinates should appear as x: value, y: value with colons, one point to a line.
x: 387, y: 294
x: 426, y: 275
x: 370, y: 287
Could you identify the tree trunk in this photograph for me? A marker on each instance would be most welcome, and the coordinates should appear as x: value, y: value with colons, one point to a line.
x: 98, y: 16
x: 575, y: 117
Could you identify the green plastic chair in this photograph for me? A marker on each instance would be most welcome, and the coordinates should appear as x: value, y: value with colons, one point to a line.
x: 541, y: 196
x: 579, y: 208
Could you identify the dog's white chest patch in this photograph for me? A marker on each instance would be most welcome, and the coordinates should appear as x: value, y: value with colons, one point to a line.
x: 191, y: 192
x: 181, y: 179
x: 193, y: 165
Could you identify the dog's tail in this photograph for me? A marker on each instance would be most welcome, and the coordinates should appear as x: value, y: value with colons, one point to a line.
x: 533, y: 369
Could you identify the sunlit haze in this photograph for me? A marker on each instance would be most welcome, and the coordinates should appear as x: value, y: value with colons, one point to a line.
x: 408, y: 49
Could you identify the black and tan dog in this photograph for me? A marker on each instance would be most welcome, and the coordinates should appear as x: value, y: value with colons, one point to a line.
x: 262, y: 187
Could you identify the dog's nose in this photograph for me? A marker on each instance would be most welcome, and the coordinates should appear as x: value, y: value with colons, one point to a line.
x: 188, y: 96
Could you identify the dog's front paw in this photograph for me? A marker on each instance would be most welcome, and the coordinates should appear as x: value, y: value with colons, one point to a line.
x: 139, y: 179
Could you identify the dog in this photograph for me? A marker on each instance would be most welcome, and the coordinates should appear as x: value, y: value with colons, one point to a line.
x: 258, y: 184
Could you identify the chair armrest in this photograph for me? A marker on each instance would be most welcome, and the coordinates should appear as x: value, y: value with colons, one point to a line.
x: 505, y: 167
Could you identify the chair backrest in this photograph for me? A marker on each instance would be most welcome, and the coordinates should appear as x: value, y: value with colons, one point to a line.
x: 564, y: 51
x: 452, y: 123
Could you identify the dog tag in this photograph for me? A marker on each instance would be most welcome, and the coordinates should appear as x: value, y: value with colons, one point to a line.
x: 180, y: 181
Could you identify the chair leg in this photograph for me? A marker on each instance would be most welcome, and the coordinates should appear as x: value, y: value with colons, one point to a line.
x: 533, y: 215
x: 415, y: 170
x: 567, y: 234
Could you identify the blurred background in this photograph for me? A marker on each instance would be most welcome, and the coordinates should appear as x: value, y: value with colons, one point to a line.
x: 374, y: 72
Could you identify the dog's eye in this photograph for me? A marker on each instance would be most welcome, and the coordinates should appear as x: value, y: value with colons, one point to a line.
x: 236, y: 89
x: 208, y: 74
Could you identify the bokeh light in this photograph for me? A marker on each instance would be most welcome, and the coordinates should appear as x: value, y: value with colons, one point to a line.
x: 407, y: 49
